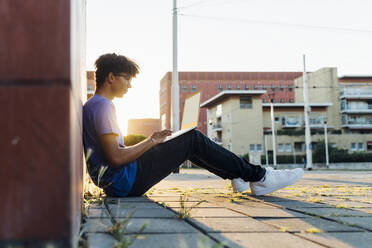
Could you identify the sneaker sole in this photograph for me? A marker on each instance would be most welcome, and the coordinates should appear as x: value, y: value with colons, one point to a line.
x: 268, y: 191
x: 240, y: 190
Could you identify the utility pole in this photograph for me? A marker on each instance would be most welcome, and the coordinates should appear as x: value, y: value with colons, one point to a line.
x: 273, y: 131
x: 326, y: 143
x: 266, y: 152
x: 309, y: 159
x: 175, y: 96
x: 175, y: 87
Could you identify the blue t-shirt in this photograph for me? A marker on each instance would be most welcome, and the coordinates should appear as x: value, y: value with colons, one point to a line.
x: 99, y: 118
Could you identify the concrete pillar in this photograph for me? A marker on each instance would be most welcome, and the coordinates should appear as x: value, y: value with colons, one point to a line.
x: 42, y: 51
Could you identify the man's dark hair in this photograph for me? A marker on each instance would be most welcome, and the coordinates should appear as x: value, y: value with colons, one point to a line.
x: 114, y: 63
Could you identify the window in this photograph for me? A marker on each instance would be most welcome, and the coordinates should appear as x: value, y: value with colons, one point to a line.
x: 353, y: 147
x: 264, y: 100
x: 298, y: 146
x: 228, y: 87
x: 369, y: 145
x: 280, y: 148
x: 238, y: 87
x: 272, y: 87
x: 303, y: 147
x: 193, y: 88
x: 259, y: 147
x: 255, y: 87
x: 184, y: 88
x: 360, y: 146
x: 281, y: 88
x: 220, y: 88
x: 219, y: 110
x: 291, y: 100
x: 282, y: 100
x: 273, y: 101
x: 277, y: 119
x: 251, y: 148
x: 264, y: 87
x: 288, y: 147
x: 245, y: 102
x: 290, y: 88
x: 163, y: 120
x: 246, y: 87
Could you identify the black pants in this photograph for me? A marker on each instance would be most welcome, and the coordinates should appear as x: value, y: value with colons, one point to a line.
x: 158, y: 162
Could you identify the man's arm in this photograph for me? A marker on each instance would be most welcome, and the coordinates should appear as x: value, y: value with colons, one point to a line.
x: 118, y: 156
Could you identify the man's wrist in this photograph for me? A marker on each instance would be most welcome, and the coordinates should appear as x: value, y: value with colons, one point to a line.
x: 153, y: 141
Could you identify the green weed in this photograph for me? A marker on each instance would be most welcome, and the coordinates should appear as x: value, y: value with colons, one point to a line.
x: 119, y: 230
x: 185, y: 211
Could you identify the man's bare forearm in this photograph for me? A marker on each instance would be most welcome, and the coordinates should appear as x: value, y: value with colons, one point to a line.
x: 118, y: 156
x: 124, y: 155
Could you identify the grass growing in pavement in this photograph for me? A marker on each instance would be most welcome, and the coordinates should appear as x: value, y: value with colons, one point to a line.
x: 185, y: 211
x: 119, y: 232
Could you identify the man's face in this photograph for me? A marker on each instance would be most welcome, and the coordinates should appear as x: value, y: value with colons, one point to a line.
x: 121, y: 84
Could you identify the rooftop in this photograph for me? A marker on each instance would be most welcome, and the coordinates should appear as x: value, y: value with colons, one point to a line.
x: 226, y: 93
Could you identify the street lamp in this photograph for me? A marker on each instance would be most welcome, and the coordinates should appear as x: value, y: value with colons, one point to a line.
x: 326, y: 142
x: 271, y: 97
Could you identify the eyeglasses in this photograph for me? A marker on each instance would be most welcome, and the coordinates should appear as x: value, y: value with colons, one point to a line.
x: 124, y: 76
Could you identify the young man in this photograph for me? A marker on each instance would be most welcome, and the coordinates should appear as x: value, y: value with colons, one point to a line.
x: 134, y: 170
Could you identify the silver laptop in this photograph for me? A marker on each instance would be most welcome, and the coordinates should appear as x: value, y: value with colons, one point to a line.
x: 190, y: 116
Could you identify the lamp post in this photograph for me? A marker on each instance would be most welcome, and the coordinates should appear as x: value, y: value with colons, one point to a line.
x: 309, y: 159
x: 273, y: 128
x: 175, y: 106
x: 326, y: 142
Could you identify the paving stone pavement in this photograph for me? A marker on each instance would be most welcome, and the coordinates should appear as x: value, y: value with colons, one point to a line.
x: 197, y: 209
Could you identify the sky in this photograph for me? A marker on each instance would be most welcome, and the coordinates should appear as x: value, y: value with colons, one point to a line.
x: 227, y: 35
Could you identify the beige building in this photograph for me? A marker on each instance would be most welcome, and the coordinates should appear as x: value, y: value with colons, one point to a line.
x: 143, y: 126
x: 241, y: 122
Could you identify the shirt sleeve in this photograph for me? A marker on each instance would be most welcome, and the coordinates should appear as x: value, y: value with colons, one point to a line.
x: 105, y: 120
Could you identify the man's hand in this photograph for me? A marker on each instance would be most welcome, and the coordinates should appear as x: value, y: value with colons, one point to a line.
x: 158, y: 137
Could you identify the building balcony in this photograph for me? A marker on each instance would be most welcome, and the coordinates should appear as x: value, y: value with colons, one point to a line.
x: 316, y: 121
x: 291, y: 122
x: 218, y: 141
x: 357, y: 123
x: 367, y: 109
x: 217, y: 127
x: 363, y: 92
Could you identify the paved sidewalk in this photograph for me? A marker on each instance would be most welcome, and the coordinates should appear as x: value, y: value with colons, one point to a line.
x: 324, y: 209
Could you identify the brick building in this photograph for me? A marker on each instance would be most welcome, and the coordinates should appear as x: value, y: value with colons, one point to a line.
x: 211, y: 83
x: 91, y: 83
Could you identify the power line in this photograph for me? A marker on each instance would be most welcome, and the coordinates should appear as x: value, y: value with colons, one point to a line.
x: 280, y: 23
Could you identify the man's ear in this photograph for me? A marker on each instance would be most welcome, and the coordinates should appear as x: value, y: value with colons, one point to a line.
x: 110, y: 77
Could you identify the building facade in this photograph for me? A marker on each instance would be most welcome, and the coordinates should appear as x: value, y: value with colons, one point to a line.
x: 212, y: 83
x: 91, y: 83
x: 241, y: 121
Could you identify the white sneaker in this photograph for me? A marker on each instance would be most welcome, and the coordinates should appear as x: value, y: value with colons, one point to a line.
x: 276, y: 179
x: 239, y: 185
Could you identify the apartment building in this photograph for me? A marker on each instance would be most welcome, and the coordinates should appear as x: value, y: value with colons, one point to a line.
x: 212, y: 83
x: 241, y: 121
